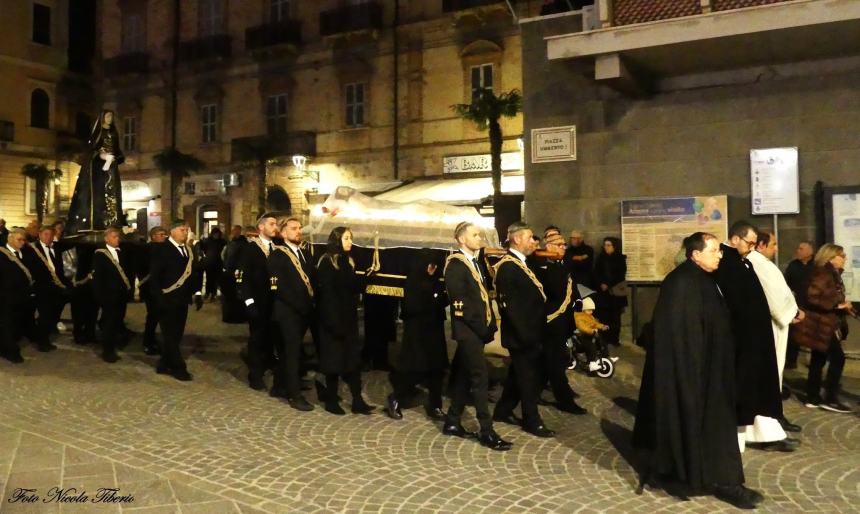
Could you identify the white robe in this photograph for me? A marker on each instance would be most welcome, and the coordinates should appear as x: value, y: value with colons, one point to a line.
x: 783, y: 309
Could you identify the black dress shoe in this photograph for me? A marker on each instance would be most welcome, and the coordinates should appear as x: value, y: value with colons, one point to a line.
x: 13, y: 357
x: 737, y: 495
x: 571, y: 408
x: 392, y: 408
x: 277, y: 392
x: 434, y: 413
x: 510, y: 419
x: 182, y: 375
x: 492, y: 441
x: 788, y: 426
x: 361, y: 407
x: 256, y: 383
x: 783, y: 446
x: 334, y: 408
x: 110, y: 357
x: 457, y: 430
x: 540, y: 431
x: 299, y: 403
x: 46, y: 347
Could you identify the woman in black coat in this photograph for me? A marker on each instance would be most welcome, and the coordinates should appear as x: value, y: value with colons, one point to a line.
x: 337, y: 290
x: 424, y: 353
x: 610, y: 269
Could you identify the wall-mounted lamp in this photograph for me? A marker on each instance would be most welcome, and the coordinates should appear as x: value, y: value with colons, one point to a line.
x: 301, y: 162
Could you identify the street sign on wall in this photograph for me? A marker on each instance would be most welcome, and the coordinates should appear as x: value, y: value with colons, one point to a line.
x: 774, y: 181
x: 554, y: 144
x: 511, y: 161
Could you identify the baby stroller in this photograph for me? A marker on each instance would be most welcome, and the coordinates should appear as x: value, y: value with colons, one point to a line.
x: 579, y: 349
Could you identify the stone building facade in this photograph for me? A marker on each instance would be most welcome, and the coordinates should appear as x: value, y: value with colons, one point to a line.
x: 363, y: 89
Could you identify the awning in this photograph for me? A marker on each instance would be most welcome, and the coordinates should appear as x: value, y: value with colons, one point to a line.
x: 459, y: 191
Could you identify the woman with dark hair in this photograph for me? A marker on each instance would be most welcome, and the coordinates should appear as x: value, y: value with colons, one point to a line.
x: 97, y: 200
x: 824, y: 328
x: 424, y: 352
x: 337, y: 290
x: 610, y: 273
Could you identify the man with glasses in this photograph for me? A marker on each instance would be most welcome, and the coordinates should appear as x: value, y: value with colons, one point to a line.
x: 756, y: 371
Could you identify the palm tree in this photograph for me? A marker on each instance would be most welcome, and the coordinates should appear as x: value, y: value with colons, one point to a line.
x: 177, y: 165
x: 485, y: 111
x: 44, y: 176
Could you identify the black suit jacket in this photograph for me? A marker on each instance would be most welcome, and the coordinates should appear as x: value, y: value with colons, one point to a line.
x: 253, y: 266
x: 468, y: 310
x: 291, y: 290
x: 166, y: 266
x: 108, y: 285
x: 521, y: 306
x: 553, y: 275
x: 45, y: 285
x: 15, y: 287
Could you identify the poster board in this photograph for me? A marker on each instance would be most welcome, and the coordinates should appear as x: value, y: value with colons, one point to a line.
x: 652, y: 230
x: 774, y: 181
x: 844, y: 225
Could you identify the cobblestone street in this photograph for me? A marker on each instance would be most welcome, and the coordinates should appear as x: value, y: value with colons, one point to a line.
x: 215, y: 446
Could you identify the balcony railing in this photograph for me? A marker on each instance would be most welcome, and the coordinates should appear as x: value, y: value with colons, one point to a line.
x: 206, y: 48
x: 7, y: 131
x: 127, y: 64
x: 459, y: 5
x: 273, y: 34
x: 350, y: 18
x: 268, y: 147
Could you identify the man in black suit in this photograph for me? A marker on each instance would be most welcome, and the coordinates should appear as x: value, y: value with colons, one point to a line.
x: 522, y: 302
x: 293, y: 306
x: 174, y: 278
x: 85, y: 309
x: 255, y: 291
x: 473, y: 325
x: 112, y: 290
x: 16, y: 296
x: 46, y: 266
x: 150, y: 344
x: 561, y: 298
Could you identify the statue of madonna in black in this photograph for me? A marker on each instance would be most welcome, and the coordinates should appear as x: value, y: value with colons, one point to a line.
x: 97, y: 200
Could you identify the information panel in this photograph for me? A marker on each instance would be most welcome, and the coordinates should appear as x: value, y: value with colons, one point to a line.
x: 774, y: 181
x: 846, y: 233
x: 652, y: 230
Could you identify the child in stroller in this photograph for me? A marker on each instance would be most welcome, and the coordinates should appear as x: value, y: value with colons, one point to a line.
x: 587, y: 339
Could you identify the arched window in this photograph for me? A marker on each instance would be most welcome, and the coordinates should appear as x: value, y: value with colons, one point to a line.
x: 278, y: 200
x: 40, y: 108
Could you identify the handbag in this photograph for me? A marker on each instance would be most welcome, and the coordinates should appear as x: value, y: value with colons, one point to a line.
x: 619, y: 289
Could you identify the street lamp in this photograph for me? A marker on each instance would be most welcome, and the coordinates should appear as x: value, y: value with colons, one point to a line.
x: 301, y: 162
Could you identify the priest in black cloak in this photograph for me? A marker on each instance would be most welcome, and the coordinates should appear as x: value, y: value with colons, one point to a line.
x: 685, y: 420
x: 756, y: 371
x: 97, y: 200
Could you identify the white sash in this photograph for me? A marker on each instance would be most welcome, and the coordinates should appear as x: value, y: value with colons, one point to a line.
x: 484, y: 296
x: 116, y: 265
x: 54, y: 278
x: 20, y: 264
x: 298, y: 265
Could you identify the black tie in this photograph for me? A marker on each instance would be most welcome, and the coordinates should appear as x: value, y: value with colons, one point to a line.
x: 51, y: 250
x: 271, y: 248
x: 475, y: 262
x: 182, y: 251
x: 18, y: 254
x: 301, y: 255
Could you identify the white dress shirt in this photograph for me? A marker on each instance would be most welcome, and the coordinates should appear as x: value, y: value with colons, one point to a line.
x: 519, y: 255
x: 114, y: 253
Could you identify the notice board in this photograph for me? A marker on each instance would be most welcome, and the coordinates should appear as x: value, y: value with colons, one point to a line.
x: 844, y: 230
x: 652, y: 230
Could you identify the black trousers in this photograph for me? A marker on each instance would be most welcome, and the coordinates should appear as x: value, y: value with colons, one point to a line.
x: 50, y: 307
x: 262, y: 331
x: 8, y: 346
x: 85, y: 313
x: 151, y: 318
x: 404, y: 383
x: 113, y: 316
x: 613, y: 312
x: 212, y: 276
x: 292, y: 329
x: 791, y: 352
x: 332, y: 384
x: 522, y: 386
x: 24, y: 317
x: 554, y: 356
x: 835, y: 358
x: 172, y: 318
x: 470, y: 378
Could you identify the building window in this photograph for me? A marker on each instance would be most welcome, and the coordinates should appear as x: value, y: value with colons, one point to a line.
x: 211, y: 17
x: 482, y: 78
x: 7, y: 131
x: 129, y: 134
x: 355, y: 98
x: 209, y: 120
x: 30, y: 196
x: 279, y: 10
x: 40, y: 108
x: 133, y: 33
x: 41, y: 24
x: 276, y: 114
